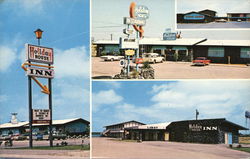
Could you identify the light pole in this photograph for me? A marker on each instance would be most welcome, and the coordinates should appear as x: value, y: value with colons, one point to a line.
x: 39, y: 33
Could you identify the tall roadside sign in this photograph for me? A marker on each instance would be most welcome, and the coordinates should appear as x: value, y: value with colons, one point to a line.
x: 39, y: 61
x: 138, y: 16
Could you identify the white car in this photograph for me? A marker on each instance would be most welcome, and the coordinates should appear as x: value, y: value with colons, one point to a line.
x: 152, y: 57
x: 112, y: 58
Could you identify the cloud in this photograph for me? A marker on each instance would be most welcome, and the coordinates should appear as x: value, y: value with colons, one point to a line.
x: 30, y: 5
x: 175, y: 101
x: 73, y: 62
x: 113, y: 84
x: 3, y: 98
x: 7, y: 58
x: 105, y: 97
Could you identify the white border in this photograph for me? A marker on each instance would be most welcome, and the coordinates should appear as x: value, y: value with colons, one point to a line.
x: 202, y: 29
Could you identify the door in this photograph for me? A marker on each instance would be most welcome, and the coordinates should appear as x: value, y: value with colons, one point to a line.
x: 228, y: 138
x: 166, y: 138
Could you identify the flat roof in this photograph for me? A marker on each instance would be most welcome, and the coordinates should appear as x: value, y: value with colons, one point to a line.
x: 182, y: 42
x: 225, y: 43
x: 161, y: 126
x: 156, y: 41
x: 125, y: 123
x: 54, y: 122
x: 223, y: 121
x: 10, y: 125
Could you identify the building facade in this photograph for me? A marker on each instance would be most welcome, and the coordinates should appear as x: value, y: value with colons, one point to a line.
x: 149, y: 132
x: 238, y: 17
x: 209, y: 131
x: 204, y: 16
x: 77, y: 126
x: 187, y: 49
x: 117, y: 130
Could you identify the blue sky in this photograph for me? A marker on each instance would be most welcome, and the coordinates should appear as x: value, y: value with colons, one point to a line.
x: 166, y: 101
x: 107, y: 17
x: 66, y: 29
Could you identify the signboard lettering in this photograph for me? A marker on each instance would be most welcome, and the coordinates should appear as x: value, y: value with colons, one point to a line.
x: 196, y: 127
x: 39, y: 54
x: 39, y: 72
x: 141, y: 12
x: 194, y: 16
x: 126, y: 43
x: 134, y: 21
x: 41, y: 116
x: 129, y: 52
x: 169, y: 36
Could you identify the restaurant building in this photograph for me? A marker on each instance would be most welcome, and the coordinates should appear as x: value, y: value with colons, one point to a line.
x: 187, y: 49
x: 204, y: 16
x: 117, y: 130
x: 209, y: 131
x: 76, y: 126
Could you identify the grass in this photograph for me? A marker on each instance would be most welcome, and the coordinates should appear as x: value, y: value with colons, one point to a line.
x: 69, y: 147
x: 245, y: 149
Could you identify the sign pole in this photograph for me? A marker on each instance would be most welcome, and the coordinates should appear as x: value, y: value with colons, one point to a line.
x: 137, y: 50
x: 30, y: 110
x: 50, y: 108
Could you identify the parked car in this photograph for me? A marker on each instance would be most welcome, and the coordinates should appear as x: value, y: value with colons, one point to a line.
x: 201, y: 61
x: 111, y: 57
x: 152, y: 57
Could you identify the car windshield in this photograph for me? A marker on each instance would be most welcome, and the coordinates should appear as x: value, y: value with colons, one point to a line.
x: 200, y: 58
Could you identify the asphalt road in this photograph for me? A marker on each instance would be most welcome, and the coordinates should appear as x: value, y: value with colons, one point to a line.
x: 176, y: 70
x: 110, y: 148
x: 27, y: 153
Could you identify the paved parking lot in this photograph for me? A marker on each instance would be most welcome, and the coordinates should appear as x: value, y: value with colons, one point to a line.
x: 110, y: 148
x: 176, y: 70
x: 27, y: 153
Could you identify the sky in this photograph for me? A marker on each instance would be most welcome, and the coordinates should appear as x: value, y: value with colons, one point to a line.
x: 107, y: 17
x: 66, y: 30
x: 166, y: 101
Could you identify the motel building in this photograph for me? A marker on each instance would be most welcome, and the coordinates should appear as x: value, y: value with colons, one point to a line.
x: 207, y: 16
x: 117, y: 130
x: 76, y: 126
x: 209, y: 131
x: 187, y: 49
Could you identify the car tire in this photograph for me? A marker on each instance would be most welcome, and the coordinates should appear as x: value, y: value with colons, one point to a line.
x: 154, y: 61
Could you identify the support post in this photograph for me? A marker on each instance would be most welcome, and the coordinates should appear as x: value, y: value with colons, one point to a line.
x: 50, y: 108
x: 30, y: 111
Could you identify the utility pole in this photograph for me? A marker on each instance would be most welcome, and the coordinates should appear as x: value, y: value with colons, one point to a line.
x: 196, y: 114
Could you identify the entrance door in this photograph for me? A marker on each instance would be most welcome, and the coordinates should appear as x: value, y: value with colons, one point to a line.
x: 228, y: 138
x: 166, y: 138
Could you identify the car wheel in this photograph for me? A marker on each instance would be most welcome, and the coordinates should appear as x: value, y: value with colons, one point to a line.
x: 154, y: 61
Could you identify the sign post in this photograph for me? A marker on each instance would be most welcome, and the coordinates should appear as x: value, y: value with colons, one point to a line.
x: 138, y: 16
x: 44, y: 55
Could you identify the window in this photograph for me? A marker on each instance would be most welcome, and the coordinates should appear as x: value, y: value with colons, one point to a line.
x: 245, y: 52
x: 216, y: 51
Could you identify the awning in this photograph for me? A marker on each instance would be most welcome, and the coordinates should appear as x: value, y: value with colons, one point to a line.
x: 159, y: 47
x: 179, y: 48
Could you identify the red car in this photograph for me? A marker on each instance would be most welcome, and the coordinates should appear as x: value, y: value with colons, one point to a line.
x: 201, y: 61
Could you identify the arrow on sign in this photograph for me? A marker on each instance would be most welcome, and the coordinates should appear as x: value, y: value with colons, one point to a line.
x: 44, y: 87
